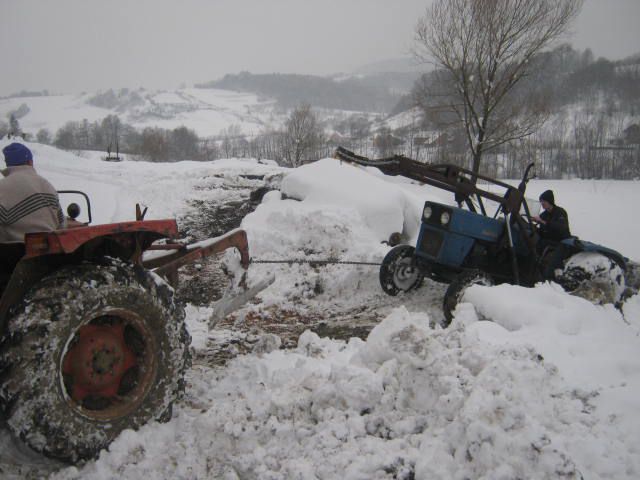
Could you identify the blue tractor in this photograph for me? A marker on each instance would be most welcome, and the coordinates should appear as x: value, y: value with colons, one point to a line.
x: 488, y: 238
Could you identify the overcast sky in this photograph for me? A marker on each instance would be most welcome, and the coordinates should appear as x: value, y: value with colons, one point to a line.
x: 84, y: 45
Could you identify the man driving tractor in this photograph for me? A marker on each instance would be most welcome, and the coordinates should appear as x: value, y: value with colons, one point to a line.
x: 553, y: 226
x: 28, y: 203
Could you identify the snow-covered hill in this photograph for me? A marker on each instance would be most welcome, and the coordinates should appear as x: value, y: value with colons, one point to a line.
x: 206, y: 111
x: 526, y: 383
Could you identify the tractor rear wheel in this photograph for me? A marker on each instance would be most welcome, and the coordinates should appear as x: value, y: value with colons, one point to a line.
x: 456, y: 289
x: 399, y: 272
x: 593, y: 276
x: 92, y: 350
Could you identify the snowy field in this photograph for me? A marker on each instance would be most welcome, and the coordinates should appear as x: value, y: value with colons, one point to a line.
x: 526, y: 383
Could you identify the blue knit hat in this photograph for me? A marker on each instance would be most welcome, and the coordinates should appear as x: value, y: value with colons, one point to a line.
x: 17, y: 154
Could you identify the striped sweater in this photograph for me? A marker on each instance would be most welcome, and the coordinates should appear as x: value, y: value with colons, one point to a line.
x: 28, y: 203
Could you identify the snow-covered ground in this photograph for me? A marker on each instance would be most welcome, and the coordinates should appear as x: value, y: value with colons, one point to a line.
x: 526, y: 383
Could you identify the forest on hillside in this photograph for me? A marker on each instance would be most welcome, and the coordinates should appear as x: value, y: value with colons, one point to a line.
x: 592, y: 129
x: 371, y: 93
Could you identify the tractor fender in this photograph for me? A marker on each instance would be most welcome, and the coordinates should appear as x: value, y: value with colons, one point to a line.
x: 47, y: 251
x: 126, y: 234
x: 577, y: 245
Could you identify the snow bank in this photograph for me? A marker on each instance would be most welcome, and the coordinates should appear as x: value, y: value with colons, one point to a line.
x: 330, y: 182
x: 592, y: 345
x: 114, y: 188
x: 595, y: 349
x: 410, y: 402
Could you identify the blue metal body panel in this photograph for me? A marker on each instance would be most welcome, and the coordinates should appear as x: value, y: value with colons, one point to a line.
x: 424, y: 231
x: 456, y: 248
x: 453, y: 250
x: 475, y: 225
x: 458, y: 236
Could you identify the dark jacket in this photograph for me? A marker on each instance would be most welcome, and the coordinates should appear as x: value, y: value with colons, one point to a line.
x: 556, y: 227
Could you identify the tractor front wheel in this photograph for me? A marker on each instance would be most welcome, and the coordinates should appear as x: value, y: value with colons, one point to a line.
x: 92, y: 350
x: 456, y: 289
x: 399, y: 272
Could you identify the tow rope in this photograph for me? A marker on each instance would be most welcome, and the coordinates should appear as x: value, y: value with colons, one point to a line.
x: 315, y: 262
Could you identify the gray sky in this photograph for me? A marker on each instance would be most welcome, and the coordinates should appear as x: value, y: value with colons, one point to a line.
x: 77, y: 45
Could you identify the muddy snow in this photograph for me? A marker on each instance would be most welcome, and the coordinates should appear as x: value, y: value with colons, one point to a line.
x: 324, y: 376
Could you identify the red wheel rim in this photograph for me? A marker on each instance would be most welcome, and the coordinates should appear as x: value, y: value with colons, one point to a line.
x: 109, y: 365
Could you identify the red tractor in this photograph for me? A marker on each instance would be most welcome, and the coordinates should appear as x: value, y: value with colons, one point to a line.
x: 92, y: 341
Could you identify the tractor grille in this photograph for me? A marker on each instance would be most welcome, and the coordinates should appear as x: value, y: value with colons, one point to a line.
x: 431, y: 242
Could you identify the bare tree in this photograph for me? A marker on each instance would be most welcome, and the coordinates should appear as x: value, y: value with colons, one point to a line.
x: 4, y: 129
x: 482, y: 49
x: 14, y: 125
x: 303, y: 135
x: 209, y: 149
x: 43, y: 136
x: 230, y: 136
x: 183, y: 144
x: 154, y: 145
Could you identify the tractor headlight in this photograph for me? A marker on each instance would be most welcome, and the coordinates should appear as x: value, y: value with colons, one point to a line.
x: 444, y: 218
x: 426, y: 213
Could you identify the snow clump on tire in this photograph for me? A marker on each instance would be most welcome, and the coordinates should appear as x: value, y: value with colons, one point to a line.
x: 594, y: 277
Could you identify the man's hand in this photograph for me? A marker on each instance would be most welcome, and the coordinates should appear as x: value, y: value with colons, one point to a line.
x: 537, y: 219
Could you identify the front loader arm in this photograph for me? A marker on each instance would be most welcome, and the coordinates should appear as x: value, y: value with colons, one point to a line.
x: 448, y: 177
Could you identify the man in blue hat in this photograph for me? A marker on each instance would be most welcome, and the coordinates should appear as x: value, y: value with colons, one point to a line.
x: 28, y: 202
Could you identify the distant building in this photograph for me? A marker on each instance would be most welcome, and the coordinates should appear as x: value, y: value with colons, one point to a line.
x: 632, y: 135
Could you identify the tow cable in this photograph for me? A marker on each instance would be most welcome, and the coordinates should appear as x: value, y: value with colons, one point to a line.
x: 315, y: 262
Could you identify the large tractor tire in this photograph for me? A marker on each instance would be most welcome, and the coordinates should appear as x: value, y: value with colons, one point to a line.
x: 92, y: 350
x: 593, y: 276
x: 398, y: 272
x: 456, y: 289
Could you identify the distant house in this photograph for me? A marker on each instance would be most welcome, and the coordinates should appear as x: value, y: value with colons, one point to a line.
x: 386, y: 140
x: 337, y: 138
x: 432, y: 141
x: 630, y: 66
x: 632, y: 135
x: 441, y: 140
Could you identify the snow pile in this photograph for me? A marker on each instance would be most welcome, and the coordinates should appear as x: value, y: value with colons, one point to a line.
x: 631, y: 311
x: 595, y: 348
x: 410, y: 402
x: 284, y: 229
x: 382, y: 206
x: 331, y: 210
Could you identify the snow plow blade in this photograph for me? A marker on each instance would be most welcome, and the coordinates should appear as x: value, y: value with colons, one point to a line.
x: 178, y: 255
x: 229, y: 303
